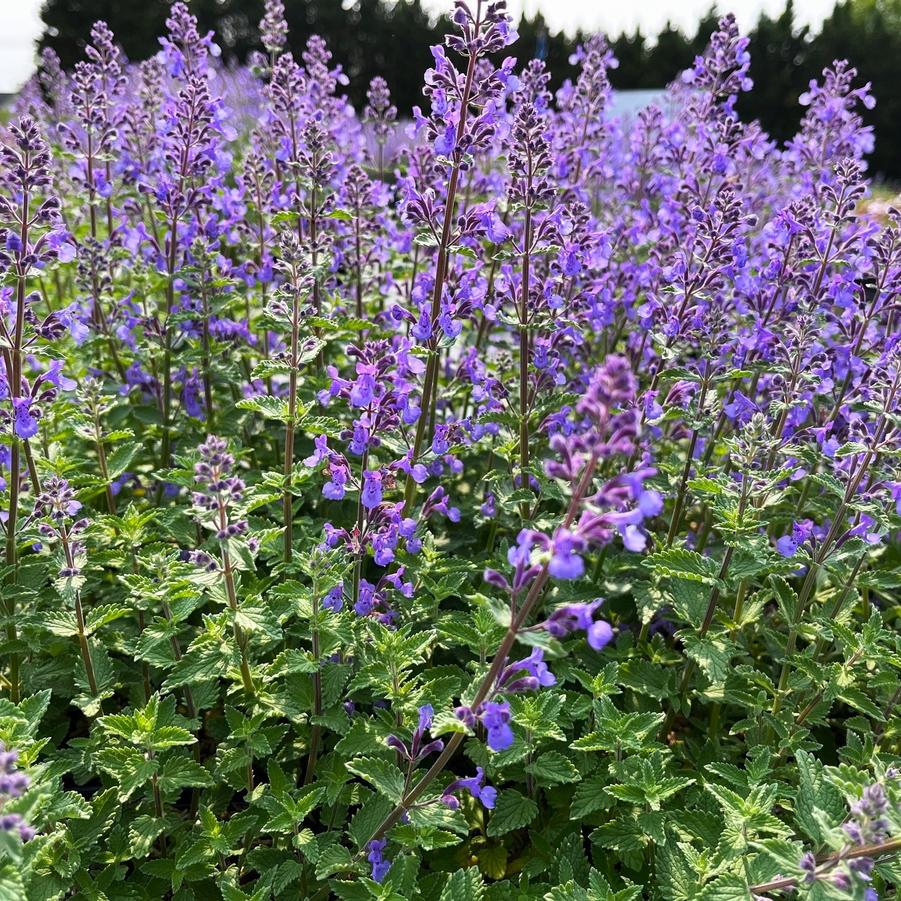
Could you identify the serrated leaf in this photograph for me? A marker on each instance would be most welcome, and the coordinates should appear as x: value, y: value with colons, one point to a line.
x: 552, y: 768
x: 512, y: 811
x: 385, y: 777
x: 680, y: 563
x: 463, y: 885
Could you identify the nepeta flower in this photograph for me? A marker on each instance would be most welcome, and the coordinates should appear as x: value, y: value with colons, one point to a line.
x: 57, y: 506
x: 417, y: 750
x: 539, y: 676
x: 495, y: 717
x: 371, y: 495
x: 13, y: 784
x: 273, y: 27
x: 380, y: 866
x: 801, y: 533
x: 579, y: 617
x: 334, y: 599
x: 476, y: 786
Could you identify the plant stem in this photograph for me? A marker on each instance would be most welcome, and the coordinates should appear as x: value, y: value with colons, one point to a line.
x: 712, y: 603
x: 102, y: 463
x: 240, y: 637
x: 431, y: 373
x: 317, y: 692
x: 676, y: 521
x: 830, y: 860
x: 358, y: 533
x: 207, y: 360
x: 15, y: 390
x: 85, y: 647
x: 288, y: 497
x: 490, y: 678
x: 171, y: 257
x: 826, y: 547
x: 79, y: 619
x: 524, y: 361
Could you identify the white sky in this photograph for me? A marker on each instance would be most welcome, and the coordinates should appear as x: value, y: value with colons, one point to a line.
x: 20, y: 23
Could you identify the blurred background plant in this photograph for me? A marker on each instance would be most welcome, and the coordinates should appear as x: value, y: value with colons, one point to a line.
x: 364, y: 35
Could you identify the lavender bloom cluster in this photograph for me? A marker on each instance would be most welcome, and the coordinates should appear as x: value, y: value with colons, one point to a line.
x: 13, y: 784
x: 499, y: 494
x: 850, y: 869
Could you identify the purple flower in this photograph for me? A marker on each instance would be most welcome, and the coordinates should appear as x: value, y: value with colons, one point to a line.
x: 25, y: 422
x: 363, y: 389
x: 334, y: 489
x: 495, y: 718
x: 273, y: 27
x: 808, y: 863
x: 565, y: 560
x: 599, y: 634
x: 13, y: 784
x: 787, y: 546
x: 417, y: 750
x: 579, y: 617
x: 320, y: 451
x: 466, y: 716
x: 334, y: 599
x: 380, y: 866
x: 802, y: 532
x: 538, y: 674
x: 426, y: 714
x: 476, y: 786
x: 371, y: 495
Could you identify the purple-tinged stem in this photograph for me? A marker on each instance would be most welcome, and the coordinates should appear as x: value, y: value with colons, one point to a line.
x: 431, y: 373
x: 487, y: 684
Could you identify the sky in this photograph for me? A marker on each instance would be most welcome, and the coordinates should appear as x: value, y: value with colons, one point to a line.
x: 20, y: 23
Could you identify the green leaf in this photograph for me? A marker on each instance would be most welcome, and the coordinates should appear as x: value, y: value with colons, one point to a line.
x: 785, y: 596
x: 589, y: 798
x: 169, y: 737
x: 681, y: 563
x: 463, y: 885
x: 120, y: 459
x: 513, y: 811
x: 711, y: 653
x: 368, y: 818
x: 818, y: 801
x: 128, y: 766
x: 181, y: 772
x: 258, y: 618
x: 850, y: 449
x: 493, y: 861
x: 725, y: 888
x: 386, y: 778
x: 333, y: 859
x: 269, y: 407
x: 674, y: 874
x: 103, y: 615
x: 619, y: 731
x: 287, y: 813
x: 552, y: 768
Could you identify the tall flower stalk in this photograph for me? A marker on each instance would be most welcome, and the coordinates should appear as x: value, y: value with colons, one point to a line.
x: 529, y: 191
x: 217, y: 492
x: 31, y: 234
x: 287, y: 308
x: 451, y: 128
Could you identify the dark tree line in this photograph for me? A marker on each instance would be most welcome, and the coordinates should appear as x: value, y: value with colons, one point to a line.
x: 393, y: 38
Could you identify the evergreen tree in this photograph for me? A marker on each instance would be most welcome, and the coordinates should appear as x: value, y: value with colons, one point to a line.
x: 780, y: 69
x: 632, y: 53
x: 392, y: 39
x: 868, y: 33
x: 670, y: 55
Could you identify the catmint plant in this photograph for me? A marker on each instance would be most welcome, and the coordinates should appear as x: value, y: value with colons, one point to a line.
x: 498, y: 498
